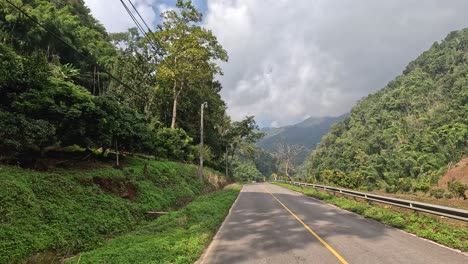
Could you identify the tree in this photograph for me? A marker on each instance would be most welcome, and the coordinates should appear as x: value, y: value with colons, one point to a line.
x: 243, y: 132
x: 188, y: 52
x: 266, y: 163
x: 286, y: 154
x: 135, y: 67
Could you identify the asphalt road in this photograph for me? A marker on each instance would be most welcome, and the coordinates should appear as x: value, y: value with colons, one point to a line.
x: 271, y: 224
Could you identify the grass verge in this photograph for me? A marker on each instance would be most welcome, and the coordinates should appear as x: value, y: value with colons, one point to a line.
x: 62, y: 212
x: 178, y: 237
x: 421, y: 225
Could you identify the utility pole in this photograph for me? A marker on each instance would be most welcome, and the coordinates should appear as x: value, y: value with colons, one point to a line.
x: 227, y: 175
x: 200, y: 168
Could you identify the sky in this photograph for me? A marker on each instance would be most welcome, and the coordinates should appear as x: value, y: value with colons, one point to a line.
x: 290, y: 60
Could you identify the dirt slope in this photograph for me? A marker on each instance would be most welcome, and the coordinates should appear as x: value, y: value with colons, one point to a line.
x: 458, y: 172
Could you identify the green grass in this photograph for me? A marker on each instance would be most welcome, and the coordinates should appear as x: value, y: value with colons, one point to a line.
x: 178, y: 237
x: 421, y: 225
x: 68, y: 211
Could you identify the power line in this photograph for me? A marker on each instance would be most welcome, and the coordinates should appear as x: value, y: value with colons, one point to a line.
x: 139, y: 26
x: 33, y: 19
x: 142, y: 31
x: 138, y: 13
x: 150, y: 40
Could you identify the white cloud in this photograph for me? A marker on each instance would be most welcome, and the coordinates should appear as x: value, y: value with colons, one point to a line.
x: 294, y: 59
x: 115, y: 18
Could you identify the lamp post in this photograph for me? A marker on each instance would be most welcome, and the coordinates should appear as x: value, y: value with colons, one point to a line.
x: 200, y: 167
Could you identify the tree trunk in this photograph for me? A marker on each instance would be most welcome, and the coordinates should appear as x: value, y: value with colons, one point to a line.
x: 174, y: 105
x: 174, y: 112
x: 117, y: 155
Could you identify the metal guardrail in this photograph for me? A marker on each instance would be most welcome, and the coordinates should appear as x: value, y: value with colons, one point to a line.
x: 446, y: 211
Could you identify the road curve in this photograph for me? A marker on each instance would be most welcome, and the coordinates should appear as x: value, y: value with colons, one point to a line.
x: 271, y: 224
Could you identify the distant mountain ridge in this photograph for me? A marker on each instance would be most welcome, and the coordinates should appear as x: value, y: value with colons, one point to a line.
x: 307, y: 133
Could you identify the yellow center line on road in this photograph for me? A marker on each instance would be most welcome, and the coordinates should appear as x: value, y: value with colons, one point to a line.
x: 338, y: 256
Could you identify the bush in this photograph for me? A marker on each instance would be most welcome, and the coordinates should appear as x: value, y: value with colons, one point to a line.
x: 421, y: 186
x: 274, y: 176
x: 20, y: 133
x: 437, y: 193
x: 404, y: 184
x: 113, y: 122
x: 173, y: 144
x: 245, y: 172
x: 457, y: 189
x: 448, y: 195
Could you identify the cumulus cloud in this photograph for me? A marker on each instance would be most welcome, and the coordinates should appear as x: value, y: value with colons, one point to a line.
x: 293, y: 59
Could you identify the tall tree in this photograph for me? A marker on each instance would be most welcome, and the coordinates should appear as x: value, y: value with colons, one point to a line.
x: 286, y: 154
x: 188, y: 52
x: 245, y: 130
x: 136, y: 67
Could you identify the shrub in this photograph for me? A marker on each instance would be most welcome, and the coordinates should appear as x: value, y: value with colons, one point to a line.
x: 437, y: 193
x: 448, y: 195
x: 274, y: 176
x: 20, y: 133
x: 457, y: 189
x: 115, y: 123
x: 245, y: 172
x: 173, y: 144
x: 404, y: 184
x: 421, y: 186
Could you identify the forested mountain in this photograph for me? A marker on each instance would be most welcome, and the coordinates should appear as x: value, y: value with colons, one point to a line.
x: 307, y: 133
x: 403, y: 137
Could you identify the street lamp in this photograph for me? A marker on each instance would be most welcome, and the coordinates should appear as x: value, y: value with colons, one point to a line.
x: 200, y: 168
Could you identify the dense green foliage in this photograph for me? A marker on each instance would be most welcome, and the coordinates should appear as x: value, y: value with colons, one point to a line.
x: 74, y: 210
x: 404, y: 135
x: 423, y: 226
x: 266, y: 163
x: 178, y: 237
x: 173, y: 144
x: 43, y: 111
x: 53, y: 95
x: 245, y: 171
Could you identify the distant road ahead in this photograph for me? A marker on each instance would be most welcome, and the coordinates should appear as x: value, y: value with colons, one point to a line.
x: 271, y: 224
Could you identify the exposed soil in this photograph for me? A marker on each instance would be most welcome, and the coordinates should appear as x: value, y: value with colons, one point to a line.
x: 458, y: 172
x: 124, y: 189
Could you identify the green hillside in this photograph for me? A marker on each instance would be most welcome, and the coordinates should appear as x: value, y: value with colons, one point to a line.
x: 307, y: 133
x: 403, y: 137
x: 63, y: 212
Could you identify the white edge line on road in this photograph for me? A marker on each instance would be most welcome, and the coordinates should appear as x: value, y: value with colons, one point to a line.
x: 373, y: 220
x: 215, y: 239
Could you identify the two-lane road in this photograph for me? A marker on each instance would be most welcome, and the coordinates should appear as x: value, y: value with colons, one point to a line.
x: 270, y: 224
